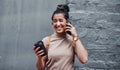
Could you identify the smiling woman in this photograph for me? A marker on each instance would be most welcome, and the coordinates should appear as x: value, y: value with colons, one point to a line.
x: 61, y: 46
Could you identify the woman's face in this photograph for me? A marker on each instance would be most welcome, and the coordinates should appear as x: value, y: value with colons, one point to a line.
x: 59, y: 23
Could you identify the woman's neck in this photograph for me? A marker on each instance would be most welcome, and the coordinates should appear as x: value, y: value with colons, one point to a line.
x: 61, y: 34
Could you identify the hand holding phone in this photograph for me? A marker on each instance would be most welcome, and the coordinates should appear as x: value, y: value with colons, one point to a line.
x: 70, y: 29
x: 42, y: 47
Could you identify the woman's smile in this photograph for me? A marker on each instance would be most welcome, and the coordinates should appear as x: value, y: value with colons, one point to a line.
x: 59, y: 29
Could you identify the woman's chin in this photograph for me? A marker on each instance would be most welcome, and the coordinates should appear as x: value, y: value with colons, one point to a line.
x: 60, y: 32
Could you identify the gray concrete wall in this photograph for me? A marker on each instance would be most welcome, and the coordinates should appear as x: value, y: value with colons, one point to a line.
x: 98, y: 24
x: 23, y: 22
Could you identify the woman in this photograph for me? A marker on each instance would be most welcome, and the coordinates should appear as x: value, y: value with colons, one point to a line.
x: 62, y: 45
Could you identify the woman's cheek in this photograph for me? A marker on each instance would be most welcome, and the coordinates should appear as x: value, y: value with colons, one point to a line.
x: 64, y: 26
x: 54, y: 26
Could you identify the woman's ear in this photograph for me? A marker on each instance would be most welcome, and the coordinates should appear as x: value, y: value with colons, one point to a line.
x: 68, y: 21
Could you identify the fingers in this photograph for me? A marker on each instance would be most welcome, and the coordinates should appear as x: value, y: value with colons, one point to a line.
x: 38, y: 52
x: 70, y: 25
x: 37, y: 49
x: 68, y: 28
x: 34, y: 47
x: 71, y: 28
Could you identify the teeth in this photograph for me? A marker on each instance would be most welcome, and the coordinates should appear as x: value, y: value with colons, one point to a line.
x: 59, y: 27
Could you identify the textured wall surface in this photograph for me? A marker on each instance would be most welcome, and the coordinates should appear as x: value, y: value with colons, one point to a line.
x: 23, y: 22
x: 98, y: 24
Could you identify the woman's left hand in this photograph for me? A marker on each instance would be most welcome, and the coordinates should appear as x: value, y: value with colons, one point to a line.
x: 71, y: 28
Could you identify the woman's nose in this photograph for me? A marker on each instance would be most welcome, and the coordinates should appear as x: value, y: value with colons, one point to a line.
x: 58, y: 23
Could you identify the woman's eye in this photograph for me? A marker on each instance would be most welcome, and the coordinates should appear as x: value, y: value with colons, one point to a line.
x: 61, y: 20
x: 54, y: 21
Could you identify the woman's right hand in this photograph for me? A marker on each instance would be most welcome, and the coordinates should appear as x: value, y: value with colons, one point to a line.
x: 38, y: 52
x: 41, y: 59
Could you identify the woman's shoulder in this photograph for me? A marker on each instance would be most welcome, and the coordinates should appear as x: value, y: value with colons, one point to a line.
x: 45, y: 40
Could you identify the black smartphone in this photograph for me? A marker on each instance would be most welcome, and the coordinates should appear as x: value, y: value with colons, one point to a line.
x: 42, y: 47
x: 68, y: 31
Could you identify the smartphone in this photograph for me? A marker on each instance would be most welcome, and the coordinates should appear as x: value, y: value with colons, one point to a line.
x: 68, y: 31
x: 42, y: 47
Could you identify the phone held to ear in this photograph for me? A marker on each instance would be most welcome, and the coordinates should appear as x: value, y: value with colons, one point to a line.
x: 42, y: 47
x: 68, y: 22
x: 68, y: 32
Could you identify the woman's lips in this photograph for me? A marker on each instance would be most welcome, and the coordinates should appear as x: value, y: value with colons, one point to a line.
x: 59, y: 28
